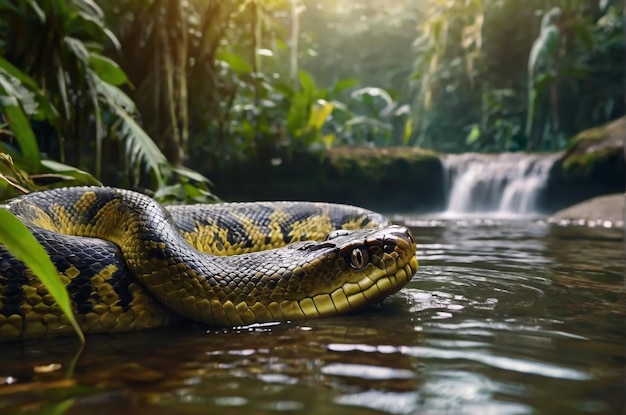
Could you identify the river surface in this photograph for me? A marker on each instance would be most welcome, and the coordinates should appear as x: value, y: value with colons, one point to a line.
x: 503, y: 317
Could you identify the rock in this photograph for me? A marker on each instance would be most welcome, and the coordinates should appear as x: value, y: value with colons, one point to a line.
x: 593, y: 165
x: 383, y: 178
x: 610, y: 208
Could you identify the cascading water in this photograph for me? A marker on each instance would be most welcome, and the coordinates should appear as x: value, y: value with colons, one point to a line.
x: 506, y: 184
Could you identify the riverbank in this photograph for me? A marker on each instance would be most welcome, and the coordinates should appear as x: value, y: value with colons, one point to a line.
x: 603, y: 208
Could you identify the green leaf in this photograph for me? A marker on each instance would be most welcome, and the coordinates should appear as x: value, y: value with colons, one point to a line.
x: 473, y: 135
x: 8, y: 5
x: 107, y: 69
x: 90, y: 8
x: 63, y: 92
x: 342, y: 85
x: 16, y: 237
x: 368, y: 121
x: 19, y: 123
x: 114, y: 40
x: 114, y: 96
x: 85, y: 26
x: 41, y: 109
x: 542, y: 81
x: 78, y: 49
x: 40, y: 13
x: 79, y: 177
x: 140, y: 147
x: 192, y: 175
x: 584, y: 31
x: 7, y: 188
x: 234, y: 61
x: 26, y: 80
x: 408, y: 131
x: 297, y: 116
x: 307, y: 83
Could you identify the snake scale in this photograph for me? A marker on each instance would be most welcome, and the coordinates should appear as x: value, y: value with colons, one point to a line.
x: 130, y: 264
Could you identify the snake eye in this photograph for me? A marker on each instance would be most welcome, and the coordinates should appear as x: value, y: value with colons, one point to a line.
x: 359, y: 258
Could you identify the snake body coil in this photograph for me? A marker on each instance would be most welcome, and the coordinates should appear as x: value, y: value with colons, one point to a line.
x: 129, y: 264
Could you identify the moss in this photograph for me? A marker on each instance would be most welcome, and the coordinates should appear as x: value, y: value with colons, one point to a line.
x: 381, y: 164
x: 381, y: 178
x: 582, y: 165
x: 594, y: 148
x: 587, y: 137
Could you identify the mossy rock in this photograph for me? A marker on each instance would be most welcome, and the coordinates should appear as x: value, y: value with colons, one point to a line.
x: 393, y: 177
x: 592, y: 165
x: 595, y: 147
x: 388, y: 179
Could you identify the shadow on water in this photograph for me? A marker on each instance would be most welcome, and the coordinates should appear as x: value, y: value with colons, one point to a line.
x: 503, y: 317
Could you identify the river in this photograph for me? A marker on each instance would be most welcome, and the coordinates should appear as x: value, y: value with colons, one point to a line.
x: 503, y: 317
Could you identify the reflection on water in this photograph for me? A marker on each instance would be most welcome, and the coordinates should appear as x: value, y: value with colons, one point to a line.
x: 503, y: 317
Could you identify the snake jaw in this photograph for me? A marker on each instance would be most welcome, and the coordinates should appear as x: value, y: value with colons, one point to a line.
x: 391, y: 265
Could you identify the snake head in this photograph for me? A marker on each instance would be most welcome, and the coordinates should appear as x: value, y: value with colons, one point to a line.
x: 349, y: 270
x: 343, y: 273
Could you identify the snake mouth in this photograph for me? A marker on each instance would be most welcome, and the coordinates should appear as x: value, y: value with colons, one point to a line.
x: 353, y: 296
x: 381, y: 264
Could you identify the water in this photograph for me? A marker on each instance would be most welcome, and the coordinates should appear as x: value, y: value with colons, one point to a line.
x: 503, y: 317
x: 506, y: 184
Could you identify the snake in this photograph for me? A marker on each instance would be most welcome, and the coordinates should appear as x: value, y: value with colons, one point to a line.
x: 129, y: 263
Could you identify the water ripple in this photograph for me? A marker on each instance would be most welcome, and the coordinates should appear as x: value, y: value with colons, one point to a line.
x: 500, y: 362
x: 503, y: 317
x: 388, y: 402
x: 366, y: 371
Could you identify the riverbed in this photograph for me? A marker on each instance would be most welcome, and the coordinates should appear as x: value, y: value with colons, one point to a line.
x: 503, y: 317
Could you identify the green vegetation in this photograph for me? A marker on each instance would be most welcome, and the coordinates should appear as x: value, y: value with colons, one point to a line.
x: 133, y: 92
x: 63, y: 97
x: 509, y: 75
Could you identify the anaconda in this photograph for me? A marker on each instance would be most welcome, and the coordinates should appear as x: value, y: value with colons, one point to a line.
x: 130, y: 264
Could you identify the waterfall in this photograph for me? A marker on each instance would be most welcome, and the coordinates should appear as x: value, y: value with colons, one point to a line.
x: 506, y: 184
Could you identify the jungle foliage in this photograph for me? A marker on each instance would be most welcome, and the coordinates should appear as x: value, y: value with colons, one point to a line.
x: 131, y: 91
x: 497, y: 75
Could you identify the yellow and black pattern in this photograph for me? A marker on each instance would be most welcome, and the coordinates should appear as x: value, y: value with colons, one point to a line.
x: 237, y: 228
x: 129, y: 264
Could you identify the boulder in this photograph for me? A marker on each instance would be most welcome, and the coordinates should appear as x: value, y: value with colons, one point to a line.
x: 592, y: 165
x: 601, y: 208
